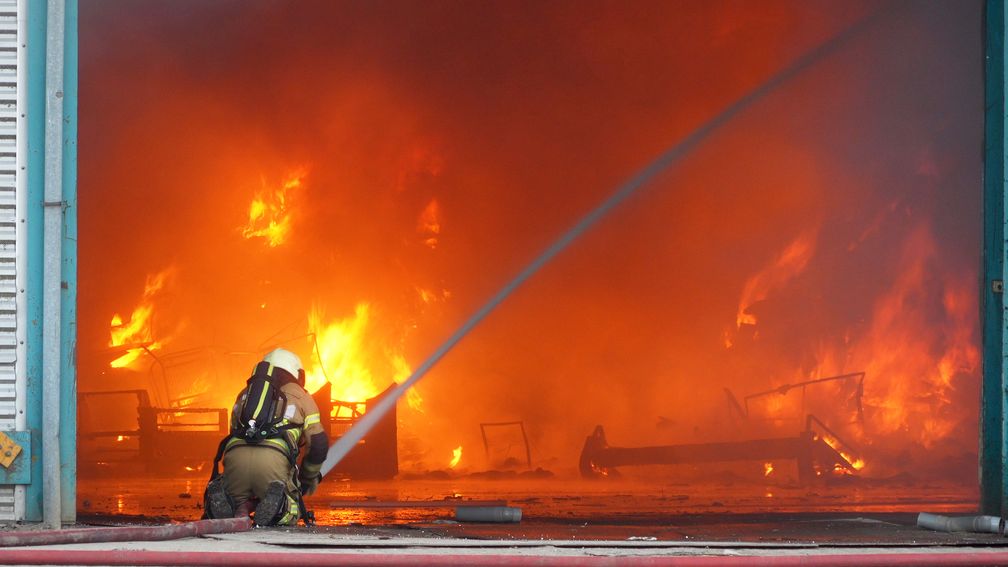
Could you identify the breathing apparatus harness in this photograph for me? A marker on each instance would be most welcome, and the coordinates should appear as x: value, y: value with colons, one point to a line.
x: 261, y: 418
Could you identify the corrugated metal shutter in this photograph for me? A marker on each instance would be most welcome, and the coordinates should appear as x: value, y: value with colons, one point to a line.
x: 8, y: 228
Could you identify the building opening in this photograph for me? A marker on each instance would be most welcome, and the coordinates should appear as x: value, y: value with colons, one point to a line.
x: 784, y: 318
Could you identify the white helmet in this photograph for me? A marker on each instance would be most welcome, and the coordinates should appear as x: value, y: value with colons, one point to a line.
x: 282, y: 358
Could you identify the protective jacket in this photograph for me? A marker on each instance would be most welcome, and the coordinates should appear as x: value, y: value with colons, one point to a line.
x: 250, y: 467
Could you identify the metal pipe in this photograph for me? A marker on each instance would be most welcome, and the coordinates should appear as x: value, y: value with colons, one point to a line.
x: 494, y: 514
x: 68, y: 268
x: 953, y: 558
x: 52, y: 266
x: 349, y: 440
x: 128, y: 533
x: 978, y: 524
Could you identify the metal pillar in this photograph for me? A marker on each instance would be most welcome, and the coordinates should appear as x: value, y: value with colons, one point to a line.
x: 993, y: 478
x: 68, y: 272
x: 52, y: 214
x: 50, y: 278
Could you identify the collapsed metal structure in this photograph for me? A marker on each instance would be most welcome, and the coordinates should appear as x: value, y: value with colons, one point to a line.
x: 172, y: 440
x: 812, y: 453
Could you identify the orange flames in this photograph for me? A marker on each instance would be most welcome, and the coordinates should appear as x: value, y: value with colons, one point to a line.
x: 137, y: 331
x: 428, y: 297
x: 429, y: 223
x: 911, y: 363
x: 856, y: 462
x: 269, y: 215
x: 353, y: 360
x: 791, y: 261
x: 913, y: 360
x: 456, y: 457
x: 767, y: 469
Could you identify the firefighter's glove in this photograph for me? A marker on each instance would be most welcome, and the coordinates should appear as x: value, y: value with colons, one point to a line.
x: 309, y: 477
x: 308, y: 482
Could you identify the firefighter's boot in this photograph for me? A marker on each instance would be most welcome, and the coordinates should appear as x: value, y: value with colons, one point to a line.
x: 269, y: 507
x: 218, y: 503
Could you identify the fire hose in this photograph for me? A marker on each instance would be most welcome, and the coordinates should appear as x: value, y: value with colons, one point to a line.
x: 316, y: 559
x: 349, y: 440
x: 125, y: 533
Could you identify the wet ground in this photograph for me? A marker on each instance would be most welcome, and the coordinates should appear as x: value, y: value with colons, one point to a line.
x: 852, y: 512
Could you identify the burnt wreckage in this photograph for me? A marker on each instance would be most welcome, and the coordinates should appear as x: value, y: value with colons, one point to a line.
x: 815, y: 449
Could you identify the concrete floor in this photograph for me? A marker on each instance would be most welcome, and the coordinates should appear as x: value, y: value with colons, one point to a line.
x: 565, y: 522
x: 854, y: 512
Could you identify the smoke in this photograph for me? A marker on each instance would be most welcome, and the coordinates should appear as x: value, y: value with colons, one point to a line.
x: 515, y: 119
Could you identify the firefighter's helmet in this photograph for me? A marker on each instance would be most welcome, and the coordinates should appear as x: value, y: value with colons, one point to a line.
x: 282, y: 358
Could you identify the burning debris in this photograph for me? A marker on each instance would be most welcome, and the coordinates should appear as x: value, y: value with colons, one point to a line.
x: 812, y: 452
x: 805, y: 255
x: 136, y: 335
x: 742, y: 410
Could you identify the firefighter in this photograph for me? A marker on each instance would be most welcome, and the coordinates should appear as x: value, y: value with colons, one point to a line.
x: 260, y: 468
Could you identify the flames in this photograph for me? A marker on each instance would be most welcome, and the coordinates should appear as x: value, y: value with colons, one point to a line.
x: 456, y: 457
x: 916, y: 359
x: 269, y: 214
x: 429, y: 224
x: 628, y: 318
x: 138, y: 332
x: 912, y: 363
x: 788, y: 264
x: 352, y: 358
x: 767, y: 469
x: 857, y: 463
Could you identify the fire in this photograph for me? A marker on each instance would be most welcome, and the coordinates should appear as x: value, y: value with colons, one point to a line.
x: 356, y: 364
x: 429, y: 223
x: 915, y: 346
x: 456, y: 457
x: 917, y: 365
x: 788, y: 264
x: 767, y: 469
x: 428, y: 296
x: 120, y: 438
x: 856, y: 462
x: 269, y: 215
x: 138, y: 330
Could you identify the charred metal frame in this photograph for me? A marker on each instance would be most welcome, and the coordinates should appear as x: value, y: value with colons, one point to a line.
x: 520, y: 424
x: 808, y: 449
x: 165, y: 441
x: 743, y: 408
